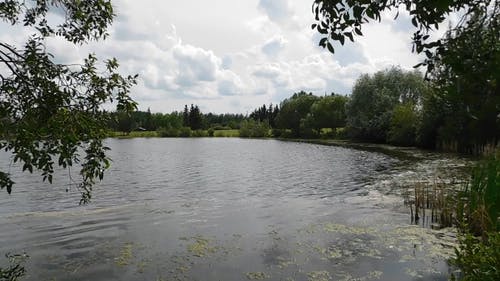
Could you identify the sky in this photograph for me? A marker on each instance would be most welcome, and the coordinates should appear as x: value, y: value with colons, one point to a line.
x: 232, y: 56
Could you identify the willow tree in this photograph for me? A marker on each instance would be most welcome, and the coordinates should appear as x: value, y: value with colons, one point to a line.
x: 51, y: 114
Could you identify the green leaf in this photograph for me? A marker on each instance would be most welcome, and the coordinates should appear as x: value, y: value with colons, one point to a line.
x: 330, y: 48
x: 349, y: 34
x: 323, y: 41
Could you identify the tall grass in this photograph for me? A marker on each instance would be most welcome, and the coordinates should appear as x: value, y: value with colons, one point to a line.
x: 479, y: 202
x: 474, y: 208
x: 433, y: 205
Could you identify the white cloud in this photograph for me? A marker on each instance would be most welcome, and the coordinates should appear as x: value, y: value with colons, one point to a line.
x: 195, y: 64
x: 276, y: 10
x: 274, y: 46
x: 231, y: 56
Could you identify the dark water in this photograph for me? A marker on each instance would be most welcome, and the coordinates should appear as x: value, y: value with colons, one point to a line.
x: 227, y: 209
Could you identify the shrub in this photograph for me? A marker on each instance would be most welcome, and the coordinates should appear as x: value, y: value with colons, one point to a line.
x: 210, y: 132
x: 478, y: 260
x: 276, y: 132
x: 254, y: 129
x: 199, y: 133
x: 185, y: 132
x: 168, y: 132
x: 403, y: 125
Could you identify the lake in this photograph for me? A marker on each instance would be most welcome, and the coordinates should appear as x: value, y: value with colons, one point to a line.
x: 229, y: 209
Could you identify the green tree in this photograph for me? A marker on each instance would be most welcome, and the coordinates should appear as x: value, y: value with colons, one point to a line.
x: 404, y: 123
x: 185, y: 116
x: 370, y: 109
x: 328, y: 112
x: 294, y: 110
x: 48, y: 111
x: 195, y: 118
x: 467, y: 84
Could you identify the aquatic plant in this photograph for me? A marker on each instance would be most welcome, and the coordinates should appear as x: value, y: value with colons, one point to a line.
x: 433, y: 205
x: 16, y: 269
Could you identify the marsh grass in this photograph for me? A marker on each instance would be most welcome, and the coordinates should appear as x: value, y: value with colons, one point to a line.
x: 433, y: 204
x: 474, y: 208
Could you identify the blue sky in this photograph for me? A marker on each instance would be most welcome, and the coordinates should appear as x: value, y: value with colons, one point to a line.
x: 232, y: 56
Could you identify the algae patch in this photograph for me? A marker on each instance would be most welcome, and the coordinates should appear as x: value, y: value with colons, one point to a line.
x: 256, y: 275
x: 125, y: 255
x: 201, y: 247
x: 319, y: 276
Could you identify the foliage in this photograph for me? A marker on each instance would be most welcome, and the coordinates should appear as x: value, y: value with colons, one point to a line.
x: 185, y: 132
x: 478, y: 260
x: 169, y: 132
x: 294, y: 110
x: 478, y: 212
x: 121, y: 121
x: 227, y: 133
x: 479, y: 207
x: 466, y: 80
x: 253, y: 129
x: 340, y: 20
x: 265, y: 114
x: 195, y: 118
x: 49, y: 111
x: 210, y: 132
x: 134, y: 134
x: 370, y: 109
x: 199, y: 133
x: 328, y: 112
x: 404, y: 122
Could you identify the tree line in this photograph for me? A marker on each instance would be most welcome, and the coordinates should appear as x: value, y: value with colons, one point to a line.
x: 390, y: 106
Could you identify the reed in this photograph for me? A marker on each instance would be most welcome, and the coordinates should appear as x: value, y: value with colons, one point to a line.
x: 432, y: 204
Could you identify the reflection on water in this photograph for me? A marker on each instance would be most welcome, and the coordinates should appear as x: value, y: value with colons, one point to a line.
x: 228, y: 209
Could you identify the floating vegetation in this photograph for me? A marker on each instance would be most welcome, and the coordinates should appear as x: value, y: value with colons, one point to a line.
x: 256, y: 275
x: 319, y: 276
x: 125, y: 255
x: 284, y: 262
x: 372, y: 275
x: 201, y: 247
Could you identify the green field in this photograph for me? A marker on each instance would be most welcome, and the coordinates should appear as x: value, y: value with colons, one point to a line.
x: 227, y: 133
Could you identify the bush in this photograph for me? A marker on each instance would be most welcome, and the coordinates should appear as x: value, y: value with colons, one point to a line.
x: 341, y: 133
x: 199, y: 133
x: 403, y: 127
x: 168, y: 132
x: 327, y: 133
x: 478, y: 260
x: 287, y: 134
x: 254, y: 129
x: 276, y: 132
x: 185, y: 132
x: 210, y: 132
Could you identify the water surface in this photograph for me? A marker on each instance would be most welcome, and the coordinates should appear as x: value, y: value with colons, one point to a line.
x: 228, y: 209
